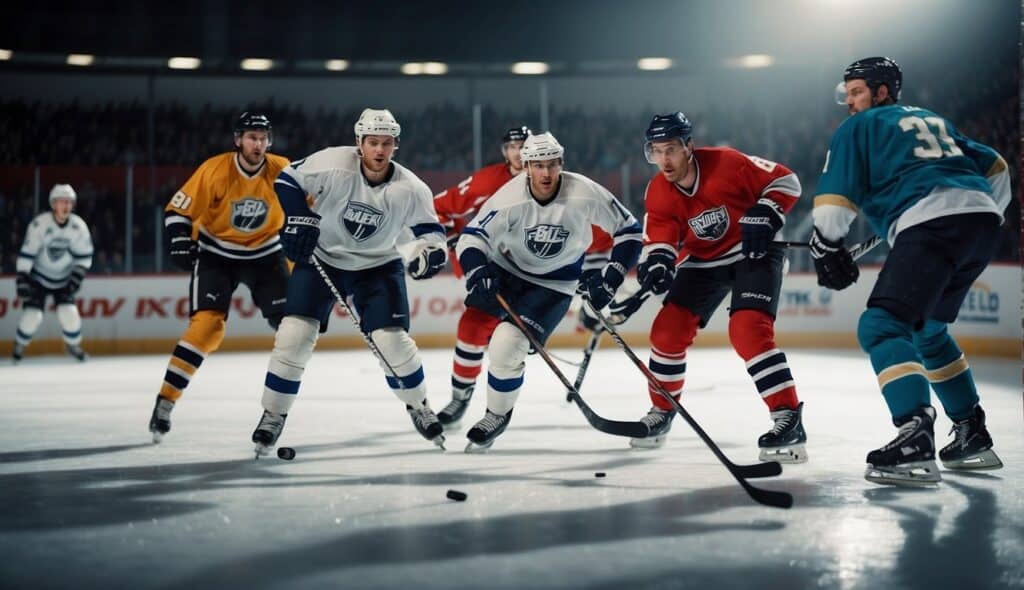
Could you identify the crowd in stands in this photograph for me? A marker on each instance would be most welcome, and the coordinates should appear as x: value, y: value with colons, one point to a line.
x: 436, y: 137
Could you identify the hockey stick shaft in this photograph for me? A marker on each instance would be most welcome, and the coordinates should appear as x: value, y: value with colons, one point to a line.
x: 766, y: 497
x: 856, y: 251
x: 588, y: 352
x: 631, y: 429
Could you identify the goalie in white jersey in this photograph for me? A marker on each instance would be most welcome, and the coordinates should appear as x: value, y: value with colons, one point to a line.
x: 52, y: 262
x: 528, y: 243
x: 347, y: 206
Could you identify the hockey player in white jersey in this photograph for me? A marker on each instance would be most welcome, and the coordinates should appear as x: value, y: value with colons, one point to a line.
x: 528, y: 243
x: 359, y: 203
x: 53, y: 261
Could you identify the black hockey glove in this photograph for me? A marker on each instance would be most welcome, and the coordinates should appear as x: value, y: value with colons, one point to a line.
x: 428, y: 261
x: 833, y: 263
x: 183, y: 250
x: 759, y: 226
x: 75, y: 280
x: 587, y: 320
x: 299, y: 236
x: 601, y: 287
x: 620, y: 311
x: 581, y: 287
x: 25, y: 285
x: 657, y: 271
x: 482, y: 284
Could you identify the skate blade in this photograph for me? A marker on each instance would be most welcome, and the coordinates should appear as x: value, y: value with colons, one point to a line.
x: 792, y: 454
x: 651, y: 442
x: 477, y: 449
x: 919, y: 474
x: 981, y: 461
x: 262, y: 450
x: 158, y: 437
x: 439, y: 441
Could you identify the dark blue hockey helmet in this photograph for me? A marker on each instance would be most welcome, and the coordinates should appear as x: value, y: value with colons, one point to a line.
x: 876, y: 71
x: 667, y: 127
x: 516, y: 134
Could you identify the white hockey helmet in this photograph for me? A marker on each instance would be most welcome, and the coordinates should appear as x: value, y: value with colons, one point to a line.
x: 541, y: 147
x: 377, y: 122
x: 62, y: 191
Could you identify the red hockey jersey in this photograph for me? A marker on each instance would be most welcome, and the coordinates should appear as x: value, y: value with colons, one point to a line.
x: 703, y: 223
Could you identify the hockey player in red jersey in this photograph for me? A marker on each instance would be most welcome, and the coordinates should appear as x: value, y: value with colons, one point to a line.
x: 711, y: 217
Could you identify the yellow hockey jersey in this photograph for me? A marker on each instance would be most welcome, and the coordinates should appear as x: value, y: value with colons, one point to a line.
x: 230, y: 212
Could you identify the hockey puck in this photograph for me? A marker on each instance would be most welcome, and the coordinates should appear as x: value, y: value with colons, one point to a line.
x: 286, y: 453
x: 456, y: 495
x: 599, y: 474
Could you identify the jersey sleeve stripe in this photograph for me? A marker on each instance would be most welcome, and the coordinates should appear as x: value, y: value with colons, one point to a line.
x: 834, y: 199
x: 286, y: 179
x: 172, y: 219
x: 998, y: 166
x: 425, y: 228
x: 787, y: 185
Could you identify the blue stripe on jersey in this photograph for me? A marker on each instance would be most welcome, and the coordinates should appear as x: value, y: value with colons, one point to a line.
x: 504, y: 385
x: 291, y: 196
x: 254, y: 253
x: 425, y: 228
x: 281, y: 385
x: 633, y: 229
x: 476, y: 231
x: 407, y: 382
x: 569, y: 272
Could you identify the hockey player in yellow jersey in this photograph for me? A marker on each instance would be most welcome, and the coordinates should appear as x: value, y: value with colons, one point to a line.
x: 222, y: 228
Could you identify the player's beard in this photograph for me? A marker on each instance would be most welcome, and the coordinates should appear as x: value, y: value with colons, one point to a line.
x: 253, y: 161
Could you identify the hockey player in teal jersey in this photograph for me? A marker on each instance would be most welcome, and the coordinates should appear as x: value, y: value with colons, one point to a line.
x: 938, y: 198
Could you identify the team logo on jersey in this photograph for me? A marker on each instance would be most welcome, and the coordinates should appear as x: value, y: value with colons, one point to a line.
x: 546, y: 241
x: 249, y: 214
x: 57, y: 247
x: 710, y: 225
x: 362, y: 220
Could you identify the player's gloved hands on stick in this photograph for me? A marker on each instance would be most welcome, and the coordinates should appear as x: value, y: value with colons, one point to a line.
x: 758, y: 227
x: 620, y: 311
x: 833, y: 263
x: 657, y: 271
x: 601, y: 287
x: 23, y: 284
x: 581, y: 286
x: 482, y: 284
x: 427, y: 261
x: 300, y: 235
x: 75, y: 280
x: 183, y: 251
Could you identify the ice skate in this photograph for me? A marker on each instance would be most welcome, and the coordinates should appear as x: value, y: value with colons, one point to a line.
x: 17, y: 353
x: 451, y: 416
x: 658, y: 422
x: 160, y: 421
x: 972, y: 445
x: 426, y: 423
x: 267, y: 432
x: 785, y: 441
x: 77, y: 352
x: 909, y: 460
x: 484, y: 432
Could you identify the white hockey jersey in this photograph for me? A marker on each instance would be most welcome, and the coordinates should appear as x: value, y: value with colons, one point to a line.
x: 50, y: 251
x: 546, y: 244
x: 360, y: 224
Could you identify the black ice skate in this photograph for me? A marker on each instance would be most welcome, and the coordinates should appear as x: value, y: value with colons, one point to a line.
x: 425, y: 421
x: 267, y: 432
x: 451, y: 416
x: 160, y: 421
x: 658, y: 422
x: 972, y: 445
x: 77, y: 352
x: 18, y: 352
x: 785, y: 441
x: 484, y: 432
x: 909, y: 460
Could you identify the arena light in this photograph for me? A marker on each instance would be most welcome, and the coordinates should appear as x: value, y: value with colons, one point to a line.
x: 530, y: 68
x: 256, y: 64
x: 336, y: 65
x: 6, y: 54
x: 752, y: 61
x: 435, y: 68
x: 80, y: 59
x: 652, y: 64
x: 184, y: 63
x: 412, y: 68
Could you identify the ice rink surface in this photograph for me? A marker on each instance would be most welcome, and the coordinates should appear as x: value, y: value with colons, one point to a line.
x: 89, y: 502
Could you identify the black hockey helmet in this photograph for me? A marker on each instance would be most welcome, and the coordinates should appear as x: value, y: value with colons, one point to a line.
x: 516, y: 134
x: 665, y: 127
x: 876, y: 71
x: 250, y: 121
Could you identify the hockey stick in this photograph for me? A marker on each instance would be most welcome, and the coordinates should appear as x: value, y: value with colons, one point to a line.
x: 595, y: 340
x: 630, y: 429
x: 856, y: 251
x: 740, y: 472
x: 366, y: 337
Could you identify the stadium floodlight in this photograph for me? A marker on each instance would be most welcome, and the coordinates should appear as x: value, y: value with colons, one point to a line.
x: 257, y: 64
x: 654, y: 63
x: 184, y: 63
x: 5, y: 54
x: 336, y: 65
x: 435, y: 68
x: 80, y: 59
x: 752, y: 61
x: 412, y: 68
x: 530, y: 68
